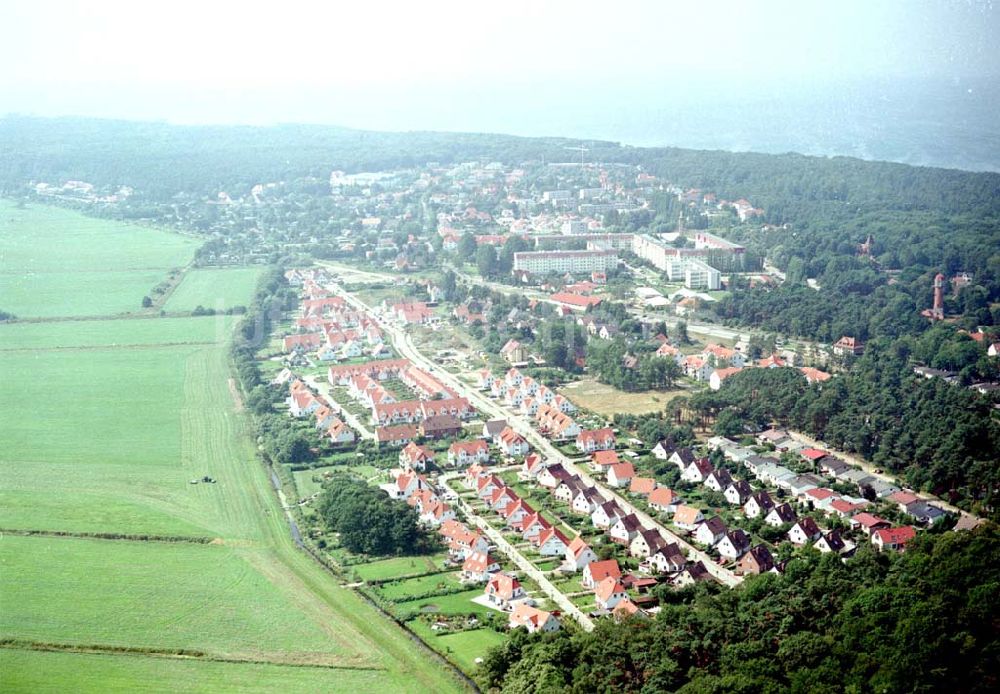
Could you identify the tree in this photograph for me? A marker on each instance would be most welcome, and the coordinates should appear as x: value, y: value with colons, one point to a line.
x: 467, y: 247
x: 486, y: 261
x: 147, y: 302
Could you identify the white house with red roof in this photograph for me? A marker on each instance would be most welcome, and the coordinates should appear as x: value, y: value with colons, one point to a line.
x: 664, y: 500
x: 435, y: 513
x: 532, y: 619
x: 404, y: 485
x: 473, y: 473
x: 463, y: 453
x: 532, y: 525
x: 339, y: 433
x: 551, y: 542
x: 868, y: 522
x: 485, y: 379
x: 578, y: 554
x: 302, y: 402
x: 893, y: 538
x: 478, y: 567
x: 487, y: 484
x: 642, y: 486
x: 512, y: 443
x: 597, y: 571
x: 609, y: 592
x: 697, y: 367
x: 415, y: 457
x: 723, y: 356
x: 501, y: 498
x: 621, y: 474
x: 591, y: 440
x: 515, y: 513
x: 533, y: 464
x: 502, y: 590
x: 600, y: 461
x: 688, y: 517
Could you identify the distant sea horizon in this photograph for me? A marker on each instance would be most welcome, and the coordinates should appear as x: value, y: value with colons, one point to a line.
x: 941, y: 122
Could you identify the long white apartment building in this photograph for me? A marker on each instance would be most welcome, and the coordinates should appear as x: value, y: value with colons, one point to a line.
x: 679, y: 264
x: 700, y: 275
x: 573, y: 262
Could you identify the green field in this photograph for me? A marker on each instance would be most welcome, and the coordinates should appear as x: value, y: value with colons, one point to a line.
x: 77, y: 334
x: 105, y: 423
x: 403, y: 590
x: 56, y: 262
x: 161, y: 595
x: 40, y: 672
x: 454, y: 604
x: 384, y: 569
x: 463, y: 646
x: 214, y: 289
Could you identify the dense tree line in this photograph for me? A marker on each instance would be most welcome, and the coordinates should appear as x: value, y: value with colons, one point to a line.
x: 368, y: 522
x: 921, y: 621
x: 630, y: 367
x: 939, y: 436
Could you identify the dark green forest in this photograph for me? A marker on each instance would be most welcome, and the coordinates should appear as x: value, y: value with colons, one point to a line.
x: 921, y: 621
x: 938, y: 436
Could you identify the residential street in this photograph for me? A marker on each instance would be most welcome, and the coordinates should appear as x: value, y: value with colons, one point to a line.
x: 501, y: 543
x: 404, y: 345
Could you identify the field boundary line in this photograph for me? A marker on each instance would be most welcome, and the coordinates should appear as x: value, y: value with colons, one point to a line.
x: 93, y: 348
x: 119, y: 537
x: 169, y: 654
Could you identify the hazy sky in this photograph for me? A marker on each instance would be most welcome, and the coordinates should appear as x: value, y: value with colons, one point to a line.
x: 392, y: 64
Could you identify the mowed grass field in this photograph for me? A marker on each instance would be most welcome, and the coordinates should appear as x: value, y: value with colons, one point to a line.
x: 57, y: 262
x: 199, y: 597
x: 45, y: 672
x: 218, y: 289
x: 105, y: 423
x: 82, y: 334
x: 608, y: 400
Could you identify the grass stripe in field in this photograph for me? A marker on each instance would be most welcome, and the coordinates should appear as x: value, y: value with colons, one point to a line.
x: 85, y: 334
x: 34, y: 671
x: 114, y: 537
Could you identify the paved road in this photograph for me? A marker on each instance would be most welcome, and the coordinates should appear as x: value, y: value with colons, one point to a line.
x: 324, y: 389
x: 497, y: 538
x: 870, y: 469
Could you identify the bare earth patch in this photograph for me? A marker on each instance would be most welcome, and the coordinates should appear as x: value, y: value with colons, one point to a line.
x: 607, y: 400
